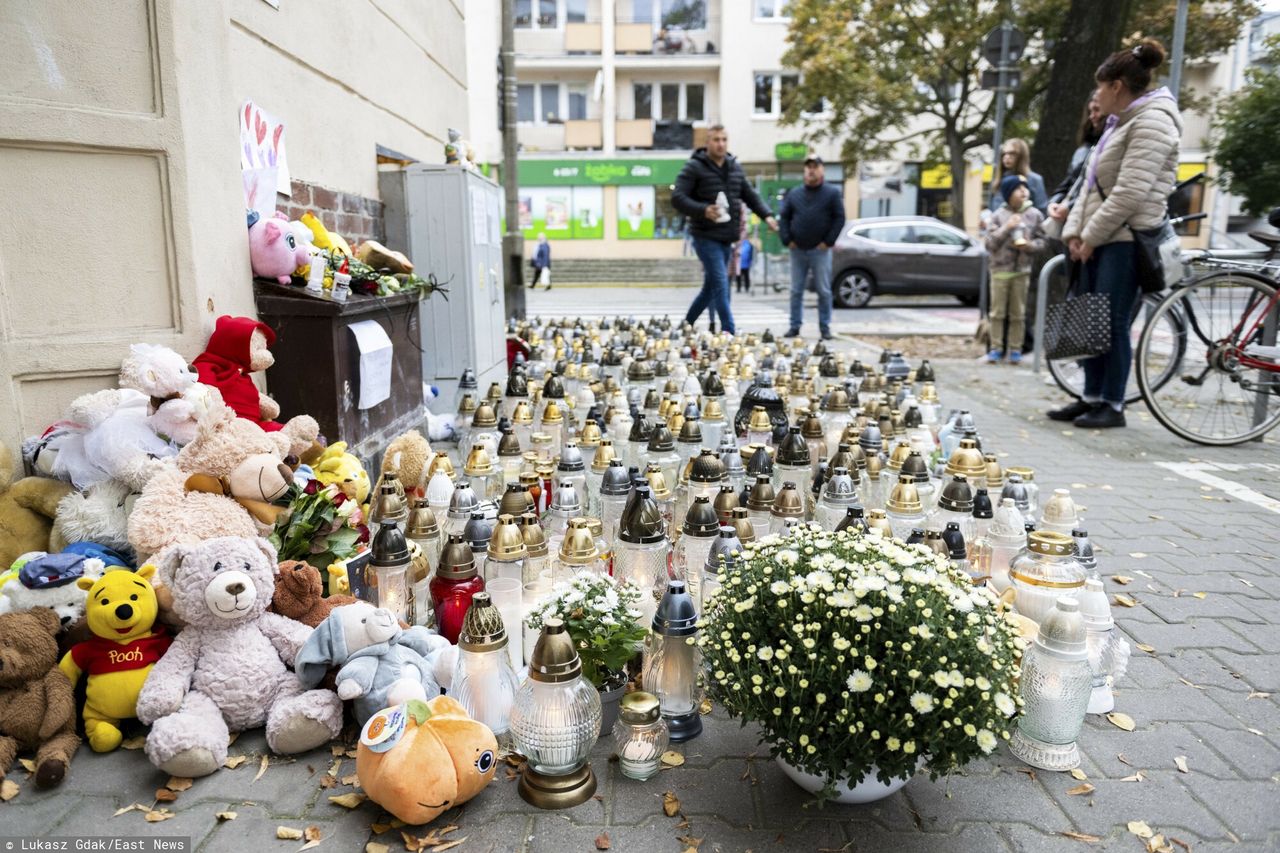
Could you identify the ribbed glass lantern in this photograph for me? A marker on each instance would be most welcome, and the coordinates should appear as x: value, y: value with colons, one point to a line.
x: 643, y: 547
x: 555, y: 721
x: 1055, y: 683
x: 1046, y: 570
x: 838, y: 494
x: 640, y: 735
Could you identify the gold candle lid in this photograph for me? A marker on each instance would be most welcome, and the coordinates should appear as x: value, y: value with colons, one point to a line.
x: 713, y: 411
x: 967, y: 459
x: 494, y: 394
x: 899, y: 455
x: 837, y: 400
x: 928, y: 393
x: 904, y: 498
x: 535, y: 539
x: 760, y: 420
x: 478, y: 462
x: 639, y: 708
x: 995, y: 474
x: 590, y: 435
x: 658, y: 485
x: 1027, y: 474
x: 467, y: 405
x: 603, y: 456
x: 523, y: 414
x: 789, y: 503
x: 554, y: 660
x: 578, y: 548
x: 812, y: 426
x: 551, y: 414
x: 507, y: 543
x: 422, y: 522
x: 482, y: 628
x: 516, y: 500
x: 441, y: 463
x: 485, y: 417
x: 878, y: 520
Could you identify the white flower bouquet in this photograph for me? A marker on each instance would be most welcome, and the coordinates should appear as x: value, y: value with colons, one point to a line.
x: 600, y: 615
x: 860, y: 656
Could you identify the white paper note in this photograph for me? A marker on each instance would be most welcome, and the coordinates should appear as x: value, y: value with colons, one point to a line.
x: 375, y: 362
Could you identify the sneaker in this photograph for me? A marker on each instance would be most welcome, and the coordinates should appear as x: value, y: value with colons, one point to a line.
x: 826, y: 335
x: 792, y: 333
x: 1071, y: 411
x: 1102, y: 417
x: 1015, y: 357
x: 994, y: 356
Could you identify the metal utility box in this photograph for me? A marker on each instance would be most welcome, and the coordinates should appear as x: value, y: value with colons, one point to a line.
x: 448, y: 221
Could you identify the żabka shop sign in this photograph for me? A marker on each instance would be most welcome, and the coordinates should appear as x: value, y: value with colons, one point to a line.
x: 543, y: 173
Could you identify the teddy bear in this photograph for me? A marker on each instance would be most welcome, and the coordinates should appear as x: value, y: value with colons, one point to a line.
x: 228, y: 670
x: 409, y: 455
x: 50, y: 581
x: 381, y: 663
x: 299, y: 594
x: 126, y: 644
x: 248, y: 462
x: 28, y: 506
x: 274, y: 251
x: 37, y: 706
x: 240, y: 346
x: 176, y: 400
x: 167, y: 513
x: 99, y: 514
x: 111, y: 439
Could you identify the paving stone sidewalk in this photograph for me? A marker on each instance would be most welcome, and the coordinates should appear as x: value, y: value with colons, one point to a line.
x: 1208, y: 691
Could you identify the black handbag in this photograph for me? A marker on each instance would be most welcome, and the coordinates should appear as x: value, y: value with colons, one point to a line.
x: 1157, y: 254
x: 1079, y: 327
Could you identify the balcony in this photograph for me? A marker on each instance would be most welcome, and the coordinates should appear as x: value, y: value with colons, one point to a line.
x: 584, y: 37
x: 642, y: 43
x: 575, y: 45
x: 583, y: 133
x: 659, y: 135
x: 573, y: 134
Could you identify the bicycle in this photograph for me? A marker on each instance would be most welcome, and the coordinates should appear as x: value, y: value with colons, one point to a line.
x: 1225, y: 355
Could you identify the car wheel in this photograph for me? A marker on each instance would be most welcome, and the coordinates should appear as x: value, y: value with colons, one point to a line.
x: 854, y: 289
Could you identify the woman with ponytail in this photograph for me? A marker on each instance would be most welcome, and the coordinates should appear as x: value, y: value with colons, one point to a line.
x: 1129, y: 177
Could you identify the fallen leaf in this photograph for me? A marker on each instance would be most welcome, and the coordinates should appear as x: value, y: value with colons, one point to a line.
x: 1151, y: 650
x: 1136, y: 777
x: 179, y: 783
x: 157, y: 815
x: 262, y: 768
x: 704, y: 707
x: 1031, y: 774
x: 1178, y: 841
x: 119, y: 812
x: 670, y: 804
x: 1123, y: 580
x: 602, y: 841
x: 327, y: 782
x: 137, y: 742
x: 1124, y: 600
x: 1156, y: 517
x: 1256, y: 732
x: 288, y: 833
x: 1257, y: 694
x: 234, y: 761
x: 350, y: 779
x: 1155, y: 844
x: 337, y: 749
x: 1200, y: 594
x: 1121, y: 721
x: 1078, y: 774
x: 8, y: 790
x: 232, y: 738
x: 1140, y: 828
x: 225, y: 815
x: 1078, y: 790
x: 671, y: 758
x: 1080, y: 836
x: 348, y: 801
x: 311, y: 833
x: 1190, y: 684
x: 375, y: 847
x: 1144, y: 574
x: 335, y: 768
x: 1180, y: 761
x: 28, y: 765
x: 1248, y: 584
x: 448, y: 845
x: 1137, y: 555
x: 164, y: 795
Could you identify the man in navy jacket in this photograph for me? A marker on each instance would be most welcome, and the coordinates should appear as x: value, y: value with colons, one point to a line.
x: 811, y: 220
x: 709, y: 172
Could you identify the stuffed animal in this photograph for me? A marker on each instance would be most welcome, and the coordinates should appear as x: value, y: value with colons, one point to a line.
x: 419, y: 759
x: 240, y: 346
x: 381, y: 258
x: 37, y: 707
x: 274, y: 252
x: 177, y: 400
x: 111, y: 438
x: 247, y: 463
x: 409, y: 455
x: 27, y: 510
x: 99, y: 514
x: 167, y: 514
x: 322, y: 237
x: 126, y: 645
x: 299, y: 594
x: 50, y: 581
x: 336, y: 465
x: 381, y: 663
x: 228, y: 668
x: 440, y: 427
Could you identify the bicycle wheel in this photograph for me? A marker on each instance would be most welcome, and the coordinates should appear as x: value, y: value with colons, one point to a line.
x: 1215, y: 400
x: 1069, y: 372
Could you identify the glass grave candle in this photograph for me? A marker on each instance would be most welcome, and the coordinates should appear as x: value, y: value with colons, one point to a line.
x: 1055, y: 684
x: 455, y: 582
x: 484, y: 681
x: 672, y: 661
x: 640, y: 735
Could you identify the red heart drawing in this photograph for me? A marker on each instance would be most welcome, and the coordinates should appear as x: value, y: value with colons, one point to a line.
x: 259, y: 127
x: 275, y: 138
x: 247, y: 109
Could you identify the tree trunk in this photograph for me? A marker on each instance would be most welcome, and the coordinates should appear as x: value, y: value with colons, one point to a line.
x: 1091, y: 30
x: 955, y: 152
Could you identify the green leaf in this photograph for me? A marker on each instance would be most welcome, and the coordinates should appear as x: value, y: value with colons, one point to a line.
x: 418, y: 710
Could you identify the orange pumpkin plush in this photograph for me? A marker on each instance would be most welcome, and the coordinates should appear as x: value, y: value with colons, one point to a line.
x: 418, y: 759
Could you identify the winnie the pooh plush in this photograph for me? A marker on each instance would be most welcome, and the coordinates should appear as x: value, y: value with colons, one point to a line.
x: 37, y: 708
x: 28, y: 506
x: 121, y: 611
x: 238, y: 347
x: 228, y: 670
x: 336, y: 465
x: 418, y: 759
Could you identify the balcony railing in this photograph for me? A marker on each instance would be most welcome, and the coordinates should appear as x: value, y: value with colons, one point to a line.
x: 698, y: 36
x: 659, y: 135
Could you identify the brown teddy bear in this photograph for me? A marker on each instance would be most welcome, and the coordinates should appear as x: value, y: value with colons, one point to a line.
x: 37, y: 708
x: 299, y: 594
x: 27, y: 508
x: 409, y: 455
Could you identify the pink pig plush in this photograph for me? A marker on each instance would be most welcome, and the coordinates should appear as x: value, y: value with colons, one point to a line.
x: 274, y: 252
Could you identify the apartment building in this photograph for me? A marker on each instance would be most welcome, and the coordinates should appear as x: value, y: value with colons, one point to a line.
x: 614, y: 95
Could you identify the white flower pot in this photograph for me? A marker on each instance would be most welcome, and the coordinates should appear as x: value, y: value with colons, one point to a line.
x: 868, y: 790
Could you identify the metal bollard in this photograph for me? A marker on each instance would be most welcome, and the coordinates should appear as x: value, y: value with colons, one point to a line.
x: 1042, y: 295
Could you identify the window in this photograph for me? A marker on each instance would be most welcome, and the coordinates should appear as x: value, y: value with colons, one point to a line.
x: 685, y: 14
x: 524, y: 13
x: 547, y: 14
x: 577, y: 102
x: 549, y: 108
x: 787, y: 85
x: 575, y: 11
x: 525, y: 109
x: 775, y: 92
x: 541, y: 14
x: 670, y: 101
x: 772, y: 10
x: 884, y: 233
x: 668, y: 223
x: 643, y: 95
x: 764, y: 94
x: 934, y: 236
x: 693, y: 97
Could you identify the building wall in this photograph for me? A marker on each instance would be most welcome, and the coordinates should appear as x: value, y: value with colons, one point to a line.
x: 124, y: 216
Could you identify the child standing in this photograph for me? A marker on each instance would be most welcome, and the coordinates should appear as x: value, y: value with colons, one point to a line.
x: 1013, y: 236
x: 746, y: 251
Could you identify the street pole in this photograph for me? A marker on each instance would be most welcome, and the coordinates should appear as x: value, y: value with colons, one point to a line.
x: 997, y: 135
x: 1179, y: 47
x: 513, y: 239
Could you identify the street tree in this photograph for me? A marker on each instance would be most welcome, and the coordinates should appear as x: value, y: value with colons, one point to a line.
x: 1246, y: 130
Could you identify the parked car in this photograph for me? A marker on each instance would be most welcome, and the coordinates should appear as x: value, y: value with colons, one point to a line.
x: 906, y: 255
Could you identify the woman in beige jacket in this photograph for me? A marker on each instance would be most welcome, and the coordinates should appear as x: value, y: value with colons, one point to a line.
x: 1130, y: 175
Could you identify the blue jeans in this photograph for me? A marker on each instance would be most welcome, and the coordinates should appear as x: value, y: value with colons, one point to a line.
x: 1111, y: 270
x: 819, y: 261
x: 715, y: 282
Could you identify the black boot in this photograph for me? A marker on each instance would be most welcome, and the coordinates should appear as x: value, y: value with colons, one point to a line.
x: 1102, y: 417
x: 1071, y: 411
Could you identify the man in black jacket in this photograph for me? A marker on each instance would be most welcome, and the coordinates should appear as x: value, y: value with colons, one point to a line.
x: 708, y: 173
x: 812, y: 218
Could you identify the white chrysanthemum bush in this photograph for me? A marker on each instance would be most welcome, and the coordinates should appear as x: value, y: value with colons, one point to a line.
x: 860, y: 655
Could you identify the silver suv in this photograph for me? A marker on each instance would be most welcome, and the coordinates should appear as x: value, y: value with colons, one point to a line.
x: 906, y: 255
